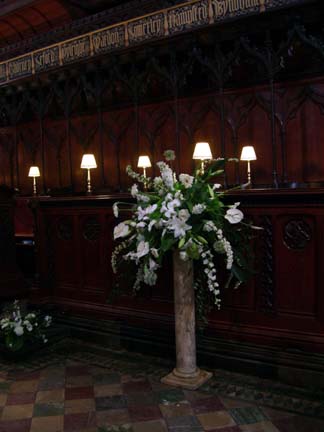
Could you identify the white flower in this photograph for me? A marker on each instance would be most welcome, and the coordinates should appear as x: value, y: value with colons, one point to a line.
x: 169, y: 155
x: 143, y: 248
x: 169, y: 208
x: 178, y: 227
x: 155, y: 252
x: 143, y: 198
x: 121, y: 230
x: 209, y: 226
x: 48, y: 320
x: 142, y: 214
x: 186, y: 180
x: 184, y: 215
x: 166, y: 174
x: 149, y: 276
x: 158, y: 182
x: 216, y: 186
x: 234, y: 215
x: 115, y: 210
x: 151, y: 208
x: 18, y: 330
x: 151, y: 224
x: 198, y: 208
x: 134, y: 190
x: 153, y: 265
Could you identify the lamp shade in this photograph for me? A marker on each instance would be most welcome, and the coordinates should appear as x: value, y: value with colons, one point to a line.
x: 144, y: 162
x: 34, y: 171
x: 248, y: 153
x: 88, y: 161
x: 202, y: 151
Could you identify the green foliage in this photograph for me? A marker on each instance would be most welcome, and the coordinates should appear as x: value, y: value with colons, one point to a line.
x: 19, y: 326
x: 187, y: 214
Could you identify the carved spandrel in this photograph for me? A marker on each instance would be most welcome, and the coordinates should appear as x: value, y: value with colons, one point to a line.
x: 65, y: 228
x: 297, y: 234
x: 91, y: 229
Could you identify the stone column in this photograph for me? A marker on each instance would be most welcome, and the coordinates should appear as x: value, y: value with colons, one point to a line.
x: 186, y: 374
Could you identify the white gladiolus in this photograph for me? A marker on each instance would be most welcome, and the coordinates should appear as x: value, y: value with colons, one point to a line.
x: 134, y: 190
x: 121, y: 230
x: 234, y: 215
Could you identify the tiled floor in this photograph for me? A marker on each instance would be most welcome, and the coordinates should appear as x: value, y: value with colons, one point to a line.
x: 73, y: 396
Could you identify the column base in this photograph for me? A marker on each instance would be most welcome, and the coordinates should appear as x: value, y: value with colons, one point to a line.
x: 190, y: 382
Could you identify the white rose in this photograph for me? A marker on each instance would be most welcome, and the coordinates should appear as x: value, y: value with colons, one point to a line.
x: 143, y: 249
x: 121, y: 230
x: 186, y: 180
x: 198, y: 208
x: 19, y: 330
x: 209, y: 226
x: 184, y: 215
x: 234, y: 215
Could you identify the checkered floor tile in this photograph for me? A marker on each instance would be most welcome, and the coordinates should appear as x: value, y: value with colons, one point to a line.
x: 71, y: 396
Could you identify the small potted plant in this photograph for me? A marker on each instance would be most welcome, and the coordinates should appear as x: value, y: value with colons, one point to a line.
x: 22, y: 329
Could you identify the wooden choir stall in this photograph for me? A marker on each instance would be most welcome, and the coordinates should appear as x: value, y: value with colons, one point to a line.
x: 144, y: 77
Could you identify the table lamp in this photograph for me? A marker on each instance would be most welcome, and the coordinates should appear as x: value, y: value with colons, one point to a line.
x: 34, y: 172
x: 248, y: 154
x: 202, y: 151
x: 88, y: 162
x: 144, y: 162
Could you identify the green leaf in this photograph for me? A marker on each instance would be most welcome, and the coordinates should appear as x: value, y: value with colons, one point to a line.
x: 181, y: 243
x: 211, y: 192
x: 167, y: 243
x: 202, y: 239
x: 193, y: 251
x: 14, y: 342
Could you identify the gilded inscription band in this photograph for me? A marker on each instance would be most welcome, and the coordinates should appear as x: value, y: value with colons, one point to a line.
x: 174, y: 20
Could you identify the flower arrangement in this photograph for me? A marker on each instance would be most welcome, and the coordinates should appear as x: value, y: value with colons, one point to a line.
x: 19, y: 326
x: 187, y: 214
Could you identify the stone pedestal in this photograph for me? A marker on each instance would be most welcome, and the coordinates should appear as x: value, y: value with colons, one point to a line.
x: 186, y: 374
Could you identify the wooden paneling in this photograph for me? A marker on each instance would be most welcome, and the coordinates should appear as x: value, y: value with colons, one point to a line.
x: 282, y: 305
x: 117, y: 137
